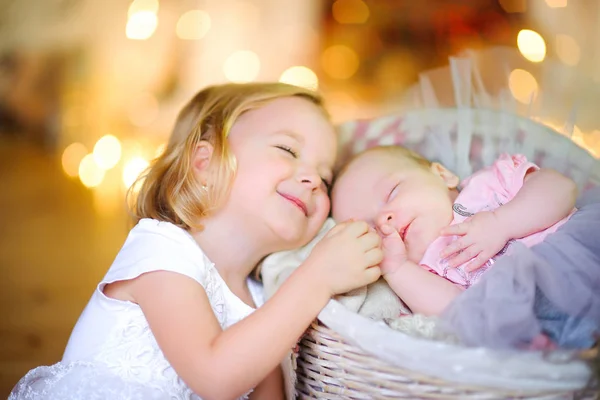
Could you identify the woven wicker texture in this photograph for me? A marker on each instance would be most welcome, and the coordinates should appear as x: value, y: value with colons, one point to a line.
x: 330, y: 368
x: 465, y: 138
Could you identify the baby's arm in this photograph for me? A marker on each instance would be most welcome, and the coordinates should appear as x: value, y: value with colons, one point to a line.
x: 545, y: 198
x: 423, y: 292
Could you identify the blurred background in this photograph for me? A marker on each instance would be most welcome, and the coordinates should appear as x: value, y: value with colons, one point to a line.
x: 89, y: 90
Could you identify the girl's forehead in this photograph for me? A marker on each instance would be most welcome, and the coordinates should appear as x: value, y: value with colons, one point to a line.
x: 291, y: 114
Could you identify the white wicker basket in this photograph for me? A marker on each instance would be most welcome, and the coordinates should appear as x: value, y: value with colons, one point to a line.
x: 346, y: 356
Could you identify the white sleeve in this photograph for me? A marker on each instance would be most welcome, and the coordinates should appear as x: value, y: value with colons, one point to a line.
x: 158, y: 246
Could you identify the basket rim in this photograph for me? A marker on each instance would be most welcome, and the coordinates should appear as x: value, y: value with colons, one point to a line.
x: 560, y: 369
x: 476, y: 113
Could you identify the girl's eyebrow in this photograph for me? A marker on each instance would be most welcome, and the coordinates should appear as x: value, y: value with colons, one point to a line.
x: 292, y: 134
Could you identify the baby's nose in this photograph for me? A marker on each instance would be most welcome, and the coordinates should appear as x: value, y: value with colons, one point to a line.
x: 385, y: 218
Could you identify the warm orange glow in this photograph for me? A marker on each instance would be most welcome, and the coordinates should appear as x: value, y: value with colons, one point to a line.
x: 193, y: 25
x: 242, y: 66
x: 143, y: 110
x: 531, y: 45
x: 300, y: 76
x: 71, y: 158
x: 568, y: 50
x: 107, y: 152
x: 132, y: 170
x: 141, y: 25
x: 142, y: 5
x: 90, y: 173
x: 523, y: 86
x: 350, y: 11
x: 556, y: 3
x: 160, y: 150
x: 513, y: 6
x: 340, y: 62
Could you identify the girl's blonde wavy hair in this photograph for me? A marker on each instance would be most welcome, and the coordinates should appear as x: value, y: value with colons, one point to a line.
x: 168, y: 190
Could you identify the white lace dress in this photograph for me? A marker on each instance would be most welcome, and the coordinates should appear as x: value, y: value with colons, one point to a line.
x: 112, y: 353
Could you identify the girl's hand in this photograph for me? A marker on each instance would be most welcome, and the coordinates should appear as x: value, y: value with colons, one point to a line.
x: 482, y: 237
x: 347, y: 257
x: 394, y: 250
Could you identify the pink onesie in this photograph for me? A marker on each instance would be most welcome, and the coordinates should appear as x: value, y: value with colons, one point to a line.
x: 485, y: 190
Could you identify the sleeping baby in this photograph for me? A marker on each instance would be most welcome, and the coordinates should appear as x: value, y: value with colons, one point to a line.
x: 511, y: 235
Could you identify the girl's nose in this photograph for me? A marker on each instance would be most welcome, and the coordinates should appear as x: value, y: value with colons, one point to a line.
x: 312, y: 180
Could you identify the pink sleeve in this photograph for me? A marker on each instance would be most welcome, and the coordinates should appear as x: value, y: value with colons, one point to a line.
x: 510, y: 172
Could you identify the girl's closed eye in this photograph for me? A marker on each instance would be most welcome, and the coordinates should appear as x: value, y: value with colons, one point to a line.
x: 288, y: 149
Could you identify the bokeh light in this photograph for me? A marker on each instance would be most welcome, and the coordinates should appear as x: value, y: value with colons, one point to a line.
x: 71, y: 158
x: 523, y: 86
x: 350, y: 11
x: 142, y: 5
x: 300, y: 76
x: 132, y: 170
x: 556, y: 3
x: 160, y: 149
x: 141, y: 25
x: 531, y: 45
x: 90, y: 174
x: 340, y: 62
x: 513, y: 6
x: 193, y: 25
x: 568, y: 50
x: 107, y: 152
x: 242, y: 66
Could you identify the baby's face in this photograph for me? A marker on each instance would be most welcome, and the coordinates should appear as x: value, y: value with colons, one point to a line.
x: 385, y: 187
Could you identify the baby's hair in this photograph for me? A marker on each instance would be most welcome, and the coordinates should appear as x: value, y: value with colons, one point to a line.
x: 168, y: 189
x: 392, y: 150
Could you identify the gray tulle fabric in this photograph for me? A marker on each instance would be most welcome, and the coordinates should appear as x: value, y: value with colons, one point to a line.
x: 552, y: 287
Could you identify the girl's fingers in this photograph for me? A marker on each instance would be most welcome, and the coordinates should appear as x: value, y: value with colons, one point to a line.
x: 374, y: 256
x: 339, y: 227
x: 358, y: 228
x: 372, y: 274
x: 370, y: 241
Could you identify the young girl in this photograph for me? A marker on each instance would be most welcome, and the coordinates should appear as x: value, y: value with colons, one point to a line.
x: 245, y: 174
x: 429, y: 226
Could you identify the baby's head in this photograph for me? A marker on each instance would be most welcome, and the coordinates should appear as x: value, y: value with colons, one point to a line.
x: 393, y: 185
x: 255, y: 156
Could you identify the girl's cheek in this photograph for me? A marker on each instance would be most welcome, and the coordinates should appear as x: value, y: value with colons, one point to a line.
x: 326, y: 204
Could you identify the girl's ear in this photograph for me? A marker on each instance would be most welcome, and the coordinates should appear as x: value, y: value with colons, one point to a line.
x: 201, y: 161
x: 447, y: 176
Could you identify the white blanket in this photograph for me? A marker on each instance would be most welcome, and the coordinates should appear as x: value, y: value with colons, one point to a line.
x: 376, y: 301
x: 406, y: 341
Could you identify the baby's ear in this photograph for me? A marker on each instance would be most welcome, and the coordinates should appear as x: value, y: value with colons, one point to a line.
x: 449, y: 178
x: 201, y: 161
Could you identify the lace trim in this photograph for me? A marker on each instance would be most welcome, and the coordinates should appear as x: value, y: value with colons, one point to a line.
x: 129, y: 366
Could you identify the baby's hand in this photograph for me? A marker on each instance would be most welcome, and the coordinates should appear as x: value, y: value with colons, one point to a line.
x: 482, y: 238
x: 347, y: 257
x: 394, y: 250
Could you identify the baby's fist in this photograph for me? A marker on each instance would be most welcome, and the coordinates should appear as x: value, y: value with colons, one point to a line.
x: 394, y: 250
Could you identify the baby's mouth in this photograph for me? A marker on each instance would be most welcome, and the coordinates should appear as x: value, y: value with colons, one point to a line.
x: 403, y: 232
